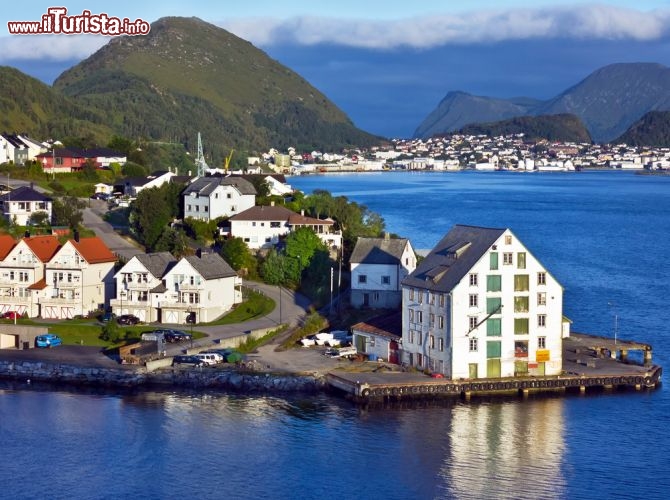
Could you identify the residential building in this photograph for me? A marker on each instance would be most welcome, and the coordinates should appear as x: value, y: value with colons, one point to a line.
x: 19, y: 204
x: 13, y: 149
x: 78, y: 279
x: 263, y: 226
x: 379, y: 337
x: 378, y: 266
x: 209, y: 198
x: 133, y: 185
x: 157, y: 287
x: 480, y: 305
x: 138, y: 283
x: 60, y: 160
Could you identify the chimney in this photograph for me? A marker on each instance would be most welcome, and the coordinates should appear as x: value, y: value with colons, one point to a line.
x: 387, y: 235
x: 26, y: 234
x: 302, y: 212
x: 198, y: 253
x: 76, y: 236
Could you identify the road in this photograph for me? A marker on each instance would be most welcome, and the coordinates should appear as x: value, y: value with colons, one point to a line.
x: 119, y: 245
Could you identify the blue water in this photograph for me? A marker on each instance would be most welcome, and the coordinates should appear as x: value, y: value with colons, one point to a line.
x: 606, y: 238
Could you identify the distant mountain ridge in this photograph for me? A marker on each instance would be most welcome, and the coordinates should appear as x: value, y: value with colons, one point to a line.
x: 186, y: 76
x: 562, y: 127
x: 608, y: 101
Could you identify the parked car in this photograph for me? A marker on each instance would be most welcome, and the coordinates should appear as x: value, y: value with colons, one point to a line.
x: 210, y: 358
x: 11, y: 315
x: 176, y: 335
x: 47, y: 340
x: 127, y: 319
x: 100, y: 196
x: 187, y: 360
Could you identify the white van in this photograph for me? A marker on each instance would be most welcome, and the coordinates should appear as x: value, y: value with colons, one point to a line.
x: 210, y: 358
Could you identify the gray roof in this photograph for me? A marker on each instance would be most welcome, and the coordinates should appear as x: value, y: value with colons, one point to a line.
x: 24, y: 193
x: 453, y: 257
x: 378, y: 250
x: 262, y: 212
x: 211, y: 266
x: 205, y: 186
x: 157, y: 263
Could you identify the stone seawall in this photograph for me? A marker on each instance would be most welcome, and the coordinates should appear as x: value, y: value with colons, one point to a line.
x: 192, y: 378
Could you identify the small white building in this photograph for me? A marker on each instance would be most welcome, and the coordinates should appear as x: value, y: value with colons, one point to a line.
x: 480, y: 305
x: 209, y: 198
x: 21, y: 203
x: 134, y: 185
x: 379, y: 337
x: 378, y: 266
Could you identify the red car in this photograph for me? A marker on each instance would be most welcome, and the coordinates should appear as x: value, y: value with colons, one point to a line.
x: 11, y: 315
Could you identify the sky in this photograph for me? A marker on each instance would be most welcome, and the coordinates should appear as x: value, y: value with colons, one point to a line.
x: 388, y: 64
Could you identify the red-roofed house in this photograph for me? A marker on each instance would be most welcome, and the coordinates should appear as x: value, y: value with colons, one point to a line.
x: 20, y: 269
x: 79, y: 279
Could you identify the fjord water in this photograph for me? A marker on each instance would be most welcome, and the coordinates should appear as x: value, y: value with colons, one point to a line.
x: 604, y: 235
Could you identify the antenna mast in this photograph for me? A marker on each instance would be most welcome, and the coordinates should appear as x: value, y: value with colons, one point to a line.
x: 200, y: 159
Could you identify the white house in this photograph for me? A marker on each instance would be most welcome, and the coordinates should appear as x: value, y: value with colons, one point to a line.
x: 18, y: 205
x: 22, y: 265
x: 378, y: 266
x: 208, y: 198
x: 13, y: 149
x: 480, y: 305
x: 201, y: 287
x: 379, y: 337
x: 136, y: 285
x: 78, y: 279
x: 133, y: 185
x: 263, y: 226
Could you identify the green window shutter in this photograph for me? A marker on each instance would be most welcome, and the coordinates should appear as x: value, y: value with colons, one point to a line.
x: 493, y: 328
x: 521, y: 282
x: 494, y: 260
x: 493, y: 349
x: 520, y: 326
x: 493, y: 305
x: 493, y: 283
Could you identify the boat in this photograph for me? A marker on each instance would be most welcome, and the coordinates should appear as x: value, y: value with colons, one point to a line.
x: 307, y: 342
x: 321, y: 338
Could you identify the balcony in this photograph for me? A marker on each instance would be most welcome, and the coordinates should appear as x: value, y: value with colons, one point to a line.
x: 69, y: 265
x: 184, y: 306
x: 8, y: 299
x: 187, y: 287
x: 73, y: 301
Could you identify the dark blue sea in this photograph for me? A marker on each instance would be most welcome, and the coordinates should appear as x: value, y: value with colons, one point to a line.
x: 604, y: 235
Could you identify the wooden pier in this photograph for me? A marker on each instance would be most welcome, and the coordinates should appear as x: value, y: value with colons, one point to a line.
x: 589, y: 363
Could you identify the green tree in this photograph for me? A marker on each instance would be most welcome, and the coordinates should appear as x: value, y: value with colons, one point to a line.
x: 90, y: 171
x: 236, y: 252
x: 317, y: 287
x: 39, y: 219
x: 150, y: 214
x: 273, y: 268
x: 132, y: 169
x: 67, y: 211
x: 173, y: 240
x: 121, y: 144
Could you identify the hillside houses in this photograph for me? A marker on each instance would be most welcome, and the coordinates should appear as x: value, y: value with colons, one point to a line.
x: 63, y: 160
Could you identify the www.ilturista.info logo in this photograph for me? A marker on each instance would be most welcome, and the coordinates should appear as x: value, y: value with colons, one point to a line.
x: 57, y: 22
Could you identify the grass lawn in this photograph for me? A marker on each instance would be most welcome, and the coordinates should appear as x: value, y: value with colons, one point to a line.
x: 257, y: 305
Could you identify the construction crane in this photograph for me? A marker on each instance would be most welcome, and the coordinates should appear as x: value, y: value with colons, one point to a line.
x: 200, y: 159
x: 226, y: 164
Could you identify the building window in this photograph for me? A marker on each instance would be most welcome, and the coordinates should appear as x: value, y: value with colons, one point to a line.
x: 419, y: 296
x: 442, y: 300
x: 521, y: 349
x: 440, y: 344
x: 521, y: 260
x: 419, y: 316
x: 474, y: 300
x: 473, y: 279
x: 520, y: 326
x: 521, y: 283
x: 472, y: 322
x: 542, y: 342
x: 508, y: 239
x: 411, y: 315
x: 493, y: 327
x: 542, y: 278
x: 473, y: 345
x: 431, y: 341
x: 541, y: 299
x: 229, y: 195
x: 362, y: 278
x: 493, y: 283
x: 431, y: 298
x: 494, y: 261
x: 411, y: 294
x: 440, y: 321
x: 411, y: 336
x: 542, y: 320
x: 521, y: 304
x: 386, y: 280
x: 419, y: 338
x: 431, y: 319
x: 493, y: 305
x: 507, y: 258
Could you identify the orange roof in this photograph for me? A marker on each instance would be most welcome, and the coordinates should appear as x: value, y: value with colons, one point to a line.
x: 44, y: 247
x: 38, y: 285
x: 94, y: 250
x: 6, y: 244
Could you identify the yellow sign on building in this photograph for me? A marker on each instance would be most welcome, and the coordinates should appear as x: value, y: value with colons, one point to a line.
x: 542, y: 355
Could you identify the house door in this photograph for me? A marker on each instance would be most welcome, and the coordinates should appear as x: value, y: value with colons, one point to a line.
x: 540, y: 369
x: 472, y: 369
x: 393, y: 352
x: 366, y: 299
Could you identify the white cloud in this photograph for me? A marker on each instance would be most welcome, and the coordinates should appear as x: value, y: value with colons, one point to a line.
x: 582, y: 22
x: 49, y: 47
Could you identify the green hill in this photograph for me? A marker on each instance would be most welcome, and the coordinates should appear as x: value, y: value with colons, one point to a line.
x: 653, y: 129
x: 187, y: 76
x: 563, y: 127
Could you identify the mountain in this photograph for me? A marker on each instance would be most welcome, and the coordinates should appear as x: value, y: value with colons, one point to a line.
x: 653, y: 129
x: 608, y: 101
x: 563, y: 127
x: 458, y: 109
x: 31, y: 106
x: 187, y: 76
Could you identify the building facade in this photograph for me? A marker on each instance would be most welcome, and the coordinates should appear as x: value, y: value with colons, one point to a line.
x: 21, y: 203
x: 480, y: 305
x: 208, y: 198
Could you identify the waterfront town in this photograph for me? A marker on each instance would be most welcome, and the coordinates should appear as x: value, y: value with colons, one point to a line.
x: 478, y: 313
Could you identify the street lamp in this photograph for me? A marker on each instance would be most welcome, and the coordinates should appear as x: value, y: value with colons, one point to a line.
x: 616, y: 320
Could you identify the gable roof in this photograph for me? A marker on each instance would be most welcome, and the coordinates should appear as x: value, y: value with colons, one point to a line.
x: 156, y: 263
x: 378, y: 250
x: 303, y: 220
x: 24, y: 193
x: 211, y: 266
x: 205, y: 186
x: 44, y: 247
x: 389, y: 326
x: 453, y: 257
x: 6, y: 245
x: 260, y: 212
x: 93, y: 250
